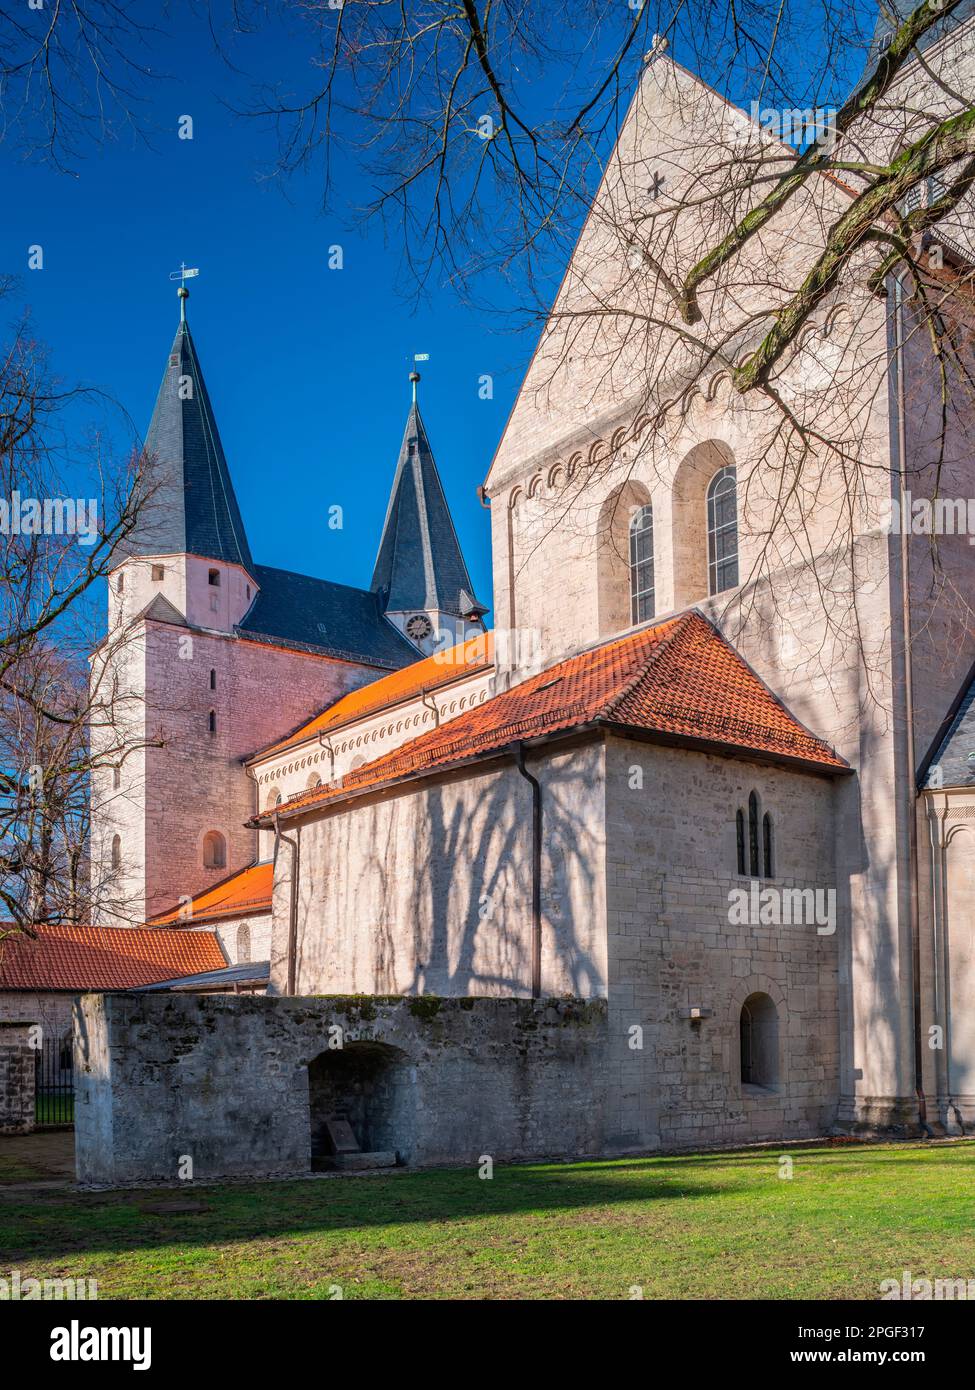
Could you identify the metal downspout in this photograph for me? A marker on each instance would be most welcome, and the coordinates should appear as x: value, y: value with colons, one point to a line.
x: 293, y: 903
x: 518, y: 751
x: 922, y: 1107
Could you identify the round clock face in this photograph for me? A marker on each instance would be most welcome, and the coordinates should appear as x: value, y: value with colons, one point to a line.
x: 419, y: 627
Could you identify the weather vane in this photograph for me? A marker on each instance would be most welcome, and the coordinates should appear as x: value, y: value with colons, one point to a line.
x: 182, y: 275
x: 414, y: 374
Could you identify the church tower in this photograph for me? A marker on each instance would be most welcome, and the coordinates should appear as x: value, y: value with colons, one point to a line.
x: 420, y: 576
x: 210, y: 655
x: 190, y: 547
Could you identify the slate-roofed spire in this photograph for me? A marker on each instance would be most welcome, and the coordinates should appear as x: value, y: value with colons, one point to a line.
x: 420, y: 565
x: 194, y: 509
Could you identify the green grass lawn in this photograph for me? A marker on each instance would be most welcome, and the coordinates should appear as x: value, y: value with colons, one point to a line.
x: 720, y: 1226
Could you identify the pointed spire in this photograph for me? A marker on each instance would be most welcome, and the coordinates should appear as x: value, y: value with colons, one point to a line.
x: 194, y: 508
x: 420, y: 564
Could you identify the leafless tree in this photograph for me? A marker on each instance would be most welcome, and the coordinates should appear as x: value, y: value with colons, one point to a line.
x: 66, y: 512
x: 489, y: 129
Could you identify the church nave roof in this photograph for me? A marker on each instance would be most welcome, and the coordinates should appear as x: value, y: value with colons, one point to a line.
x: 677, y: 682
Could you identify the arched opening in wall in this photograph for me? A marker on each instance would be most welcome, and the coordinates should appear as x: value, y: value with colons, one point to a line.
x: 313, y: 781
x: 759, y: 1039
x: 116, y: 851
x: 628, y: 506
x: 692, y: 478
x: 360, y: 1101
x: 357, y: 762
x: 753, y: 858
x: 243, y: 943
x: 214, y: 850
x: 768, y: 846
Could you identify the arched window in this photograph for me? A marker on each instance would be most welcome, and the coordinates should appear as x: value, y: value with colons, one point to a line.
x: 624, y: 558
x: 767, y: 845
x: 723, y: 531
x: 358, y: 762
x: 116, y: 851
x: 213, y: 679
x: 641, y: 566
x: 212, y: 721
x: 273, y: 798
x: 740, y: 832
x: 758, y: 1029
x: 214, y: 850
x: 313, y: 781
x: 753, y: 835
x: 243, y: 943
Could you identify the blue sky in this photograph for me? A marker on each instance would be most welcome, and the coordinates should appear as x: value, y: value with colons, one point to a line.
x: 306, y: 366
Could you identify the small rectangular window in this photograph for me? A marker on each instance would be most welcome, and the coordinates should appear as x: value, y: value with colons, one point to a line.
x: 158, y: 572
x: 214, y: 578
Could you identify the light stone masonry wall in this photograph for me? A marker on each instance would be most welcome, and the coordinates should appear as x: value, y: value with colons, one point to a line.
x: 427, y: 888
x: 671, y: 863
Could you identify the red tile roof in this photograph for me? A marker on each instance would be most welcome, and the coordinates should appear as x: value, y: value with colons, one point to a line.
x: 466, y: 659
x: 242, y: 894
x: 680, y: 681
x: 104, y: 958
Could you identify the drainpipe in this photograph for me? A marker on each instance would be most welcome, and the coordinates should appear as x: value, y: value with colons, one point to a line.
x: 922, y: 1107
x: 939, y: 893
x: 518, y: 752
x: 431, y: 703
x: 293, y: 903
x: 327, y: 746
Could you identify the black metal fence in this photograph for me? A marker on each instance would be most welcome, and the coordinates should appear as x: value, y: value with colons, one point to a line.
x: 54, y: 1082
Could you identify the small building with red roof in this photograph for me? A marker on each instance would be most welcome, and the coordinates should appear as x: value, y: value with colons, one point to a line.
x: 42, y: 973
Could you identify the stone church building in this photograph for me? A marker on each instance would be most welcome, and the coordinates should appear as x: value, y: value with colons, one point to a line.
x: 678, y: 852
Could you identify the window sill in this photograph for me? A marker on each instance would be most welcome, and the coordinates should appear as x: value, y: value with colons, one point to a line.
x: 755, y: 1093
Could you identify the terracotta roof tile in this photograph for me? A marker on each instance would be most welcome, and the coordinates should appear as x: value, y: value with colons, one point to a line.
x: 247, y: 891
x: 104, y: 958
x: 679, y: 680
x: 466, y: 659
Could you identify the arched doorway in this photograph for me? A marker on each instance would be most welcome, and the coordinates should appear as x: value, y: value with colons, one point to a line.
x: 360, y: 1095
x: 758, y: 1028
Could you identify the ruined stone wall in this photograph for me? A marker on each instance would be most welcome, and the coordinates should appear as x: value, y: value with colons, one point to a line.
x: 16, y: 1079
x: 221, y: 1084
